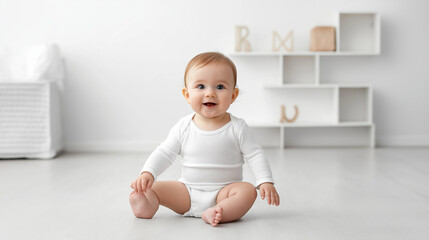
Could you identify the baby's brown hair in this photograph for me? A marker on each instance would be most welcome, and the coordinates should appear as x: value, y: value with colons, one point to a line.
x: 203, y: 59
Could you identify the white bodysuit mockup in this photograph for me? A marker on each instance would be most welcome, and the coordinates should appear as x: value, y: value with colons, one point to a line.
x: 210, y: 159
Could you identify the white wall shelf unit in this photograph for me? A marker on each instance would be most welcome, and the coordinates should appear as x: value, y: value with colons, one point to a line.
x: 330, y: 114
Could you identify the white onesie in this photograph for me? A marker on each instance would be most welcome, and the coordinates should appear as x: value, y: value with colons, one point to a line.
x: 210, y: 159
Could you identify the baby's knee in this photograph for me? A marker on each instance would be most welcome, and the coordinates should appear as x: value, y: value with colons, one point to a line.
x: 250, y: 190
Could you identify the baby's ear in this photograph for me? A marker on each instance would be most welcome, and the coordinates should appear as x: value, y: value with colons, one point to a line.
x: 234, y: 94
x: 185, y: 93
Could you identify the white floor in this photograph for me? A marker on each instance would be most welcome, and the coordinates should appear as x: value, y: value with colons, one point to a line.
x: 354, y: 193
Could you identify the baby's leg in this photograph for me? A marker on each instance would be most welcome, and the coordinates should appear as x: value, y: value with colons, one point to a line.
x: 232, y: 202
x: 171, y: 194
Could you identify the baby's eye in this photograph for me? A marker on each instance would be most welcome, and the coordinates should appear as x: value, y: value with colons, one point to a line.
x: 220, y: 87
x: 201, y: 86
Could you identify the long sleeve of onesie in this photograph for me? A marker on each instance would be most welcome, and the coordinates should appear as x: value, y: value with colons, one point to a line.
x: 165, y: 154
x: 254, y: 155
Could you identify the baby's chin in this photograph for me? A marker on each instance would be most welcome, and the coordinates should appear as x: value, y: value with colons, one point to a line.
x: 213, y: 116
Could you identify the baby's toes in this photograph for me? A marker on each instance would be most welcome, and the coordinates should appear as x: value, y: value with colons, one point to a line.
x: 219, y: 209
x: 218, y: 217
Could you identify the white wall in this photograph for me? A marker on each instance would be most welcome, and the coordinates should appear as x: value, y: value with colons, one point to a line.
x: 125, y: 59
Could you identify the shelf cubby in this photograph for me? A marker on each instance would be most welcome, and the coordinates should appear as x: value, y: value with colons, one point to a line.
x: 316, y: 105
x: 298, y: 70
x: 355, y: 104
x: 358, y: 32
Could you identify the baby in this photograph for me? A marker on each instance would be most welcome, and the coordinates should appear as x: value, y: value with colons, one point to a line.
x: 213, y: 145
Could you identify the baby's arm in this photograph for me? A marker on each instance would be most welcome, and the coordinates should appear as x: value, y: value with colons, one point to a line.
x: 255, y: 158
x: 159, y: 160
x: 268, y: 190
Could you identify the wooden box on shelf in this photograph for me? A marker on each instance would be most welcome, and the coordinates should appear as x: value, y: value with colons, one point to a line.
x: 322, y: 38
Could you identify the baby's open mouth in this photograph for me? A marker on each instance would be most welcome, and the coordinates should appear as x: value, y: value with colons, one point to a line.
x: 209, y: 104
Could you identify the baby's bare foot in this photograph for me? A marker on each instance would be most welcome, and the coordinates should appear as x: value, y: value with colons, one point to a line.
x: 212, y: 215
x: 140, y: 205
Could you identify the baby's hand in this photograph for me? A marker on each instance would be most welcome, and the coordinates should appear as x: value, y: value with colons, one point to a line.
x: 143, y: 183
x: 268, y: 190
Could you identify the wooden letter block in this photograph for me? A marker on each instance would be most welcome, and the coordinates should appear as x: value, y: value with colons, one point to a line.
x: 289, y: 38
x: 322, y: 39
x: 240, y: 39
x: 284, y: 118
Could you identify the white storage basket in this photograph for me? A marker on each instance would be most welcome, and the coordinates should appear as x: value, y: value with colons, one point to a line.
x: 30, y: 120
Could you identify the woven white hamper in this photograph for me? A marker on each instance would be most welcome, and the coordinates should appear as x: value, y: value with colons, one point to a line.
x: 30, y: 120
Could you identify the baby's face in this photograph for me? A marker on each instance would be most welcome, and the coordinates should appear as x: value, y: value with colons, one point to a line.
x: 210, y: 89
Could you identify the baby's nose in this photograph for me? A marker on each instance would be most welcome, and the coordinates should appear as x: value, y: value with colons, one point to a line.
x: 210, y: 92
